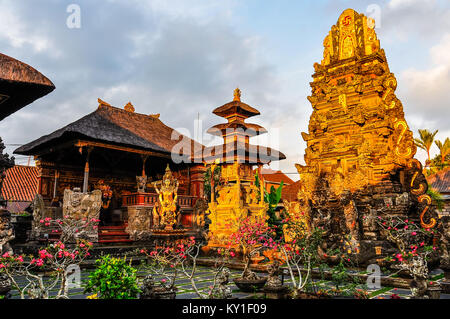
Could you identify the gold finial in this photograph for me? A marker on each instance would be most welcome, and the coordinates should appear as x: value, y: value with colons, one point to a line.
x: 129, y: 107
x: 155, y: 116
x: 102, y: 103
x: 237, y: 95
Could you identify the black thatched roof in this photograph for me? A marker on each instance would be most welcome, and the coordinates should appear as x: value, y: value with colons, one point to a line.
x: 115, y: 126
x: 20, y: 85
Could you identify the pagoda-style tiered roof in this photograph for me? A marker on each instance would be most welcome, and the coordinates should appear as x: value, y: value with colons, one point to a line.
x: 236, y: 133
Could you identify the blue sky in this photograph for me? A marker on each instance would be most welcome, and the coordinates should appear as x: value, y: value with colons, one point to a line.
x: 182, y: 58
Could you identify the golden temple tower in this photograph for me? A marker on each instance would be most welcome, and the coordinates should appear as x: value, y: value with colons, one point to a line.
x: 360, y: 150
x: 238, y: 197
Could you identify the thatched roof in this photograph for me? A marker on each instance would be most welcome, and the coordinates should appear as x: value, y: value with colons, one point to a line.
x: 117, y: 126
x: 20, y: 85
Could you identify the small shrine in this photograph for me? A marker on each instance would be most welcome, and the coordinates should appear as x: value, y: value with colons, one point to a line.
x: 236, y: 197
x: 360, y: 151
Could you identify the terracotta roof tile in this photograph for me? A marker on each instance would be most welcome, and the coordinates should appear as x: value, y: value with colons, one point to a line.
x: 20, y: 184
x: 276, y: 176
x: 290, y: 192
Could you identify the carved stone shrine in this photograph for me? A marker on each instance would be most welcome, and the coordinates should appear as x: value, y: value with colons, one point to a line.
x: 237, y: 195
x: 360, y: 151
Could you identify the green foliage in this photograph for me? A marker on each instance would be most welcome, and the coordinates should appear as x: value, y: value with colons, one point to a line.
x: 273, y: 198
x: 444, y: 149
x: 339, y: 275
x: 436, y: 198
x: 425, y: 140
x: 114, y: 278
x: 207, y: 180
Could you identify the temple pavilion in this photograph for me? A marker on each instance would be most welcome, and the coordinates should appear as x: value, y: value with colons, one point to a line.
x: 111, y: 149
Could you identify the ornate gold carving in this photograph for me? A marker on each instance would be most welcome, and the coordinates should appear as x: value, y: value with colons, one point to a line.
x: 129, y: 107
x: 359, y: 145
x: 237, y: 95
x: 165, y: 213
x: 427, y: 199
x: 102, y: 103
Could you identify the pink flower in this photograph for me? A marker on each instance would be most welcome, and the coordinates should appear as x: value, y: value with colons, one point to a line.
x: 413, y: 233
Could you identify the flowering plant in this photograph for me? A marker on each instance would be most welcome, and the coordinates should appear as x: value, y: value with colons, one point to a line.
x: 164, y: 261
x: 301, y: 251
x: 252, y: 235
x: 69, y: 228
x: 57, y: 258
x: 414, y: 247
x: 168, y: 261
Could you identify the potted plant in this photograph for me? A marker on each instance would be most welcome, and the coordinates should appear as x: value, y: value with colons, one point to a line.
x: 414, y: 247
x: 168, y: 261
x: 300, y: 254
x: 251, y: 237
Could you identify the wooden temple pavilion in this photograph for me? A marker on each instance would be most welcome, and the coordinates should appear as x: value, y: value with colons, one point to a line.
x: 110, y: 149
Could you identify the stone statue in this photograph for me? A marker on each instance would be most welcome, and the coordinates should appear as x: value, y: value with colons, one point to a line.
x: 419, y: 271
x: 165, y: 213
x: 38, y: 207
x: 200, y: 215
x: 273, y: 280
x: 141, y: 183
x: 6, y: 232
x: 78, y: 205
x: 148, y: 288
x: 5, y: 286
x: 139, y: 219
x: 222, y: 291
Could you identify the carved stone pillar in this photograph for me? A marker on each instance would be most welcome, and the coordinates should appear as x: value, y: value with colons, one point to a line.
x: 78, y: 205
x: 6, y: 231
x: 139, y: 223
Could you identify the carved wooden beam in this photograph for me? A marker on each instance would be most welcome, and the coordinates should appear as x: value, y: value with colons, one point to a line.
x: 81, y: 143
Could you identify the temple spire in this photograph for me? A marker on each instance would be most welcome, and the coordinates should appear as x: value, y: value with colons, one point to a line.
x: 237, y: 95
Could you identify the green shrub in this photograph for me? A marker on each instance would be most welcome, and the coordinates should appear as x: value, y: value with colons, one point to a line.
x: 113, y: 278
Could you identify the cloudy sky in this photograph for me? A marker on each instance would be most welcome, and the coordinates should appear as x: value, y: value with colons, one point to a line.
x: 183, y: 58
